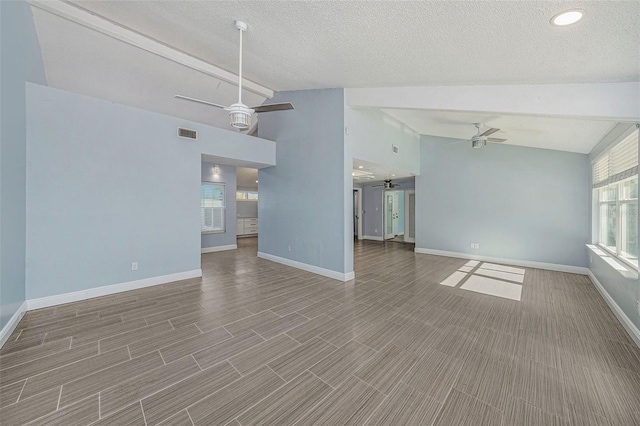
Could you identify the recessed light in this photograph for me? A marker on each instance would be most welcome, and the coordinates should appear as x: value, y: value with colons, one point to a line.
x: 256, y: 181
x: 353, y: 173
x: 393, y: 175
x: 567, y: 17
x: 359, y: 167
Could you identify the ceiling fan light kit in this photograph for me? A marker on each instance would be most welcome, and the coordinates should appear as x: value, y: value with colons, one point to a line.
x: 480, y: 140
x: 239, y: 113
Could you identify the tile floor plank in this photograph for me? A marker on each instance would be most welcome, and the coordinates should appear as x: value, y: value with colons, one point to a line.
x: 230, y: 402
x: 146, y: 384
x: 405, y: 406
x: 293, y: 363
x: 350, y: 404
x: 289, y: 403
x: 169, y: 401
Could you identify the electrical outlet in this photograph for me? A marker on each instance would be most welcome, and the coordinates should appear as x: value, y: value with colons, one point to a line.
x: 376, y: 229
x: 289, y: 248
x: 134, y: 266
x: 473, y: 245
x: 477, y: 246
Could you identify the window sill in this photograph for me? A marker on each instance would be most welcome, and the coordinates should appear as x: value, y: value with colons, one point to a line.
x: 620, y: 267
x: 212, y: 232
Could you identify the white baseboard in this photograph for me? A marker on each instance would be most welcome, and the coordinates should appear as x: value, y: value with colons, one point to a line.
x: 13, y: 322
x: 341, y: 276
x: 622, y: 317
x: 59, y: 299
x: 515, y: 262
x: 218, y: 248
x: 372, y: 237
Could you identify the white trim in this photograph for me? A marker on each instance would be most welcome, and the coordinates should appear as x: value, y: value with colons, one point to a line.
x: 13, y: 322
x: 619, y: 313
x: 101, y: 25
x: 516, y: 262
x: 218, y: 248
x: 372, y: 237
x: 59, y: 299
x: 340, y: 276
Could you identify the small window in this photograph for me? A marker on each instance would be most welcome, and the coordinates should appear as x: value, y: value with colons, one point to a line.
x: 212, y: 206
x: 247, y: 195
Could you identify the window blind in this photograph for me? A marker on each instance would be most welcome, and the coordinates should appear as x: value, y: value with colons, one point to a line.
x: 620, y: 163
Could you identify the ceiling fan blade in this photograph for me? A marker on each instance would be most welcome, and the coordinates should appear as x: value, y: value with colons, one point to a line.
x: 273, y: 107
x: 496, y: 140
x: 489, y: 131
x: 186, y: 98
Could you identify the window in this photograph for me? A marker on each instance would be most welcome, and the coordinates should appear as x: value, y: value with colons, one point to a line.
x: 247, y: 195
x: 615, y: 183
x: 212, y: 206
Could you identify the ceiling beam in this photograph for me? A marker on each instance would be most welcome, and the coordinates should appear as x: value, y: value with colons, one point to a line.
x: 606, y: 101
x: 97, y: 23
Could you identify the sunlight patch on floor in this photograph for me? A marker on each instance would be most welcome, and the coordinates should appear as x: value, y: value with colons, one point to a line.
x: 488, y: 278
x: 493, y: 287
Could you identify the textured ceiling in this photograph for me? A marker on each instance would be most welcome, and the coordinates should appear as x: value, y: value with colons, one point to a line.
x: 301, y: 45
x: 538, y: 132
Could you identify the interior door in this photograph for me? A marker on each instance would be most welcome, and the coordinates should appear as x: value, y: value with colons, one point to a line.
x: 391, y: 215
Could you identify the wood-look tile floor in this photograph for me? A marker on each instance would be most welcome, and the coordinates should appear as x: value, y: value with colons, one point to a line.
x: 258, y: 343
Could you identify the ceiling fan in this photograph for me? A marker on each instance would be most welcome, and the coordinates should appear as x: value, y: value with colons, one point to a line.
x: 239, y: 113
x: 387, y: 184
x: 481, y: 139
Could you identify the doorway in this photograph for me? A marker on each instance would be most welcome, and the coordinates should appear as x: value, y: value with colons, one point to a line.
x: 357, y: 213
x: 393, y: 210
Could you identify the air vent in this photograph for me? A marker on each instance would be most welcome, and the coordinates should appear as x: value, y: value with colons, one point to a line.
x: 395, y: 148
x: 187, y: 133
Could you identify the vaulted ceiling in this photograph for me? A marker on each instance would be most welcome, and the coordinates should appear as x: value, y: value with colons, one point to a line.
x: 294, y: 45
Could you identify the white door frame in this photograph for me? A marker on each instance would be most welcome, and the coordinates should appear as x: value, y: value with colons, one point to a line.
x: 407, y: 230
x: 359, y: 213
x: 394, y: 220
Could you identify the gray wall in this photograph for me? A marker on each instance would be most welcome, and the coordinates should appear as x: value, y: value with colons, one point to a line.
x: 517, y: 203
x: 227, y: 175
x: 302, y: 198
x: 372, y: 207
x: 246, y: 208
x: 21, y: 62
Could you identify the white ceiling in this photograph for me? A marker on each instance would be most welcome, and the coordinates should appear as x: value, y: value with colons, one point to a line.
x: 246, y: 178
x: 84, y: 61
x: 365, y: 172
x: 561, y: 134
x: 292, y: 45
